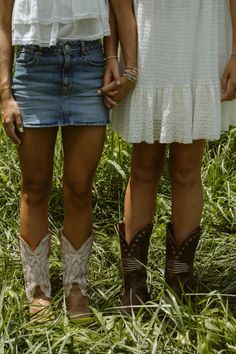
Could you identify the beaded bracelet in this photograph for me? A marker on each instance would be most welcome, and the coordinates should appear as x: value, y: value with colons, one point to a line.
x: 130, y: 77
x: 131, y: 73
x: 131, y: 68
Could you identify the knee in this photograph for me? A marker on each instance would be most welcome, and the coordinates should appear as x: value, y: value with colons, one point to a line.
x: 146, y: 172
x: 36, y: 191
x: 185, y: 175
x: 77, y: 192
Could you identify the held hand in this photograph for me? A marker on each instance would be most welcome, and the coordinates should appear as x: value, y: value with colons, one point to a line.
x: 113, y: 93
x: 228, y: 81
x: 112, y: 71
x: 12, y: 119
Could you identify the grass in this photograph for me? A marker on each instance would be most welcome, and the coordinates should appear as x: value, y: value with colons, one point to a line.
x: 204, y: 324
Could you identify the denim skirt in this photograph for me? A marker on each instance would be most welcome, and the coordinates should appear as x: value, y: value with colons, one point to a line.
x: 57, y: 86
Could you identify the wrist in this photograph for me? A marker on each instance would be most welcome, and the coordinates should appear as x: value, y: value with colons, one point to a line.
x: 131, y: 73
x: 5, y: 94
x: 110, y: 58
x: 4, y: 88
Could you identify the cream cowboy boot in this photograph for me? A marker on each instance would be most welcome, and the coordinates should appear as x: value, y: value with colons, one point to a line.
x: 75, y: 269
x: 36, y: 274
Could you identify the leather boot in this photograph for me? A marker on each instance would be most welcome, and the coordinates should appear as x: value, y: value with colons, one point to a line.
x: 75, y: 269
x: 36, y: 274
x: 179, y: 260
x: 134, y: 261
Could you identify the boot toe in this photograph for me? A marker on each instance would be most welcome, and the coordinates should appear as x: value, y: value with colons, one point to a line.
x: 77, y: 304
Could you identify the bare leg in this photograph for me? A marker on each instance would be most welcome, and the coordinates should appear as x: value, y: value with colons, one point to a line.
x: 187, y: 195
x: 36, y: 160
x: 140, y: 198
x: 82, y: 150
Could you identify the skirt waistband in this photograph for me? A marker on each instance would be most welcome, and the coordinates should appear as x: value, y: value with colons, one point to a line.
x: 63, y: 47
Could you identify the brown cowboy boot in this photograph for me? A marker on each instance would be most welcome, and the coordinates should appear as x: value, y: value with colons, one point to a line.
x: 179, y: 260
x: 134, y: 261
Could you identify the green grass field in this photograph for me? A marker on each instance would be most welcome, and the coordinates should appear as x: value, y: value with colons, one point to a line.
x: 204, y: 324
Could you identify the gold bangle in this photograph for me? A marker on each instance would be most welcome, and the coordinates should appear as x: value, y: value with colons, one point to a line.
x: 111, y: 57
x: 4, y: 88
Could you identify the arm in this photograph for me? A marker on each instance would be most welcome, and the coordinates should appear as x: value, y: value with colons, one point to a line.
x: 10, y: 109
x: 112, y: 71
x: 127, y: 31
x: 229, y: 76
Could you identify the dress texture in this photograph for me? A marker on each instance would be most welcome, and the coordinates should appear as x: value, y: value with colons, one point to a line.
x: 183, y: 47
x: 45, y: 22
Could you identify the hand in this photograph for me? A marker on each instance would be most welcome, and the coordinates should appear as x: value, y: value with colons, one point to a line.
x: 114, y: 93
x: 11, y: 117
x: 228, y: 81
x: 112, y: 72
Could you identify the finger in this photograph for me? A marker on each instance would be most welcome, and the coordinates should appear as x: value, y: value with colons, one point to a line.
x: 19, y: 123
x: 224, y: 81
x: 110, y: 101
x: 11, y: 132
x: 107, y: 78
x: 112, y: 93
x: 110, y: 87
x: 116, y: 75
x: 107, y: 104
x: 229, y: 93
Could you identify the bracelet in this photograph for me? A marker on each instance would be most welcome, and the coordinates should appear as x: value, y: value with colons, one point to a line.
x: 111, y: 57
x: 130, y: 77
x: 131, y: 68
x: 4, y: 88
x: 131, y: 73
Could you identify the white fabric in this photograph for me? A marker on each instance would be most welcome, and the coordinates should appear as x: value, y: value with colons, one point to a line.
x: 184, y: 46
x: 45, y: 22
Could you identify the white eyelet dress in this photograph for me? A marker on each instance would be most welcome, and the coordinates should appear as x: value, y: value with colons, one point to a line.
x: 183, y: 47
x: 45, y: 22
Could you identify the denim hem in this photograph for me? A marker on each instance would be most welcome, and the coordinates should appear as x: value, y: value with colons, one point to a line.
x: 51, y: 125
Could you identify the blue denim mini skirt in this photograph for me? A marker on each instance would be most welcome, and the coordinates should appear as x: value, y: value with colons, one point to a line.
x: 57, y: 86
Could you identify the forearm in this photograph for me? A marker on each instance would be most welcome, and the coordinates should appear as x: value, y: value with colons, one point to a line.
x: 111, y: 42
x: 127, y: 30
x: 6, y: 50
x: 233, y: 16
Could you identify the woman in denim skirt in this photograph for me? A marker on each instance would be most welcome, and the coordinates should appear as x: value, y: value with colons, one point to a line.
x: 59, y: 68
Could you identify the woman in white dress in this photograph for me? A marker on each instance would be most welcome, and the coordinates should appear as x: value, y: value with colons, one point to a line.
x: 59, y: 68
x: 186, y: 70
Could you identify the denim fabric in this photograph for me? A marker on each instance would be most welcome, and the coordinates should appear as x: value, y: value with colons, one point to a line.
x: 57, y: 86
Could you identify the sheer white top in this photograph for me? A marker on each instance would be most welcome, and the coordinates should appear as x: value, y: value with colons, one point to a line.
x: 45, y: 22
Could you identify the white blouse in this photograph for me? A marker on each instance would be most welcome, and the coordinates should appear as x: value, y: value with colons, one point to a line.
x: 45, y: 22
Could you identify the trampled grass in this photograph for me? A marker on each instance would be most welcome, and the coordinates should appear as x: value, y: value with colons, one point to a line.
x: 205, y: 323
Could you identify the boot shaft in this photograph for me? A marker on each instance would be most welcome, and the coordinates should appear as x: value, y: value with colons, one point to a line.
x: 36, y: 267
x: 180, y: 259
x: 75, y: 264
x: 134, y: 262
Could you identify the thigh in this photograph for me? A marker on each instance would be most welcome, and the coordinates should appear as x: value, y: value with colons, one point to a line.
x: 83, y: 147
x: 36, y: 153
x: 186, y: 156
